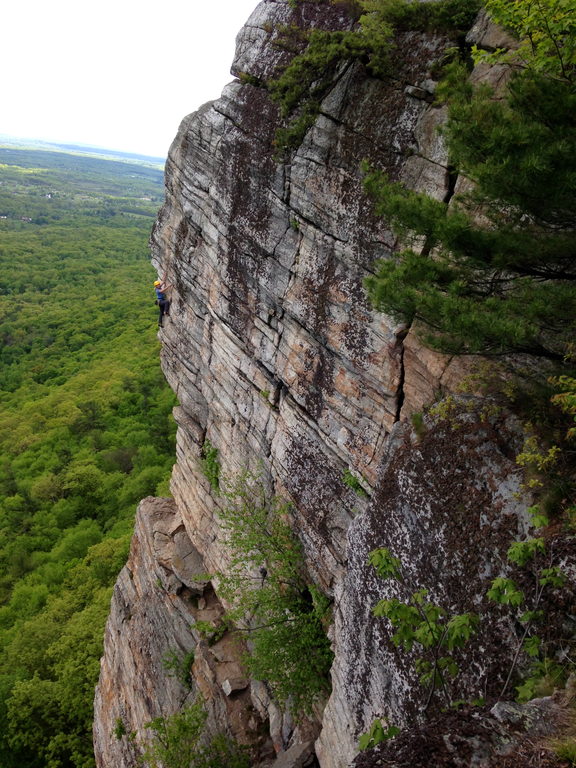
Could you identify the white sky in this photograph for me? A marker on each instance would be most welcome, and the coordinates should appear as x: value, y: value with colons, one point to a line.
x: 118, y: 74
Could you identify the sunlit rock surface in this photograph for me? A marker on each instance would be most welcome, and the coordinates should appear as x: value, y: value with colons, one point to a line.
x: 155, y: 661
x: 149, y: 620
x: 278, y: 360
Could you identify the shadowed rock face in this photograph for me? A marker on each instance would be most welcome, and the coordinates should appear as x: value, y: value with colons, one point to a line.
x: 278, y: 360
x: 447, y: 507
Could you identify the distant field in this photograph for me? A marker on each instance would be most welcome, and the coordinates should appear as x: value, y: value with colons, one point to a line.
x: 82, y: 149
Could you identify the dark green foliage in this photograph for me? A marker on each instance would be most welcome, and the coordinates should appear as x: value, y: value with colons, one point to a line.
x: 520, y: 150
x: 175, y: 738
x: 272, y: 599
x: 451, y: 16
x: 85, y: 432
x: 179, y: 665
x: 509, y: 284
x: 308, y: 78
x: 119, y: 728
x: 210, y: 465
x: 247, y: 79
x: 177, y: 742
x: 352, y: 482
x: 222, y: 752
x: 313, y: 71
x: 292, y: 135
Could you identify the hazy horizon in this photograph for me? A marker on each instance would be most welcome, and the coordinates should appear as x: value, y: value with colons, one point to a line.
x: 38, y: 142
x: 120, y: 76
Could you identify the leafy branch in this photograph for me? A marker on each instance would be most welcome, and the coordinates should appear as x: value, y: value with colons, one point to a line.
x: 418, y: 621
x: 270, y: 596
x: 505, y: 591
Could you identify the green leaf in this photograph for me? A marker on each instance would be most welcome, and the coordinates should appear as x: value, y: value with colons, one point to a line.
x: 521, y: 552
x: 531, y: 616
x: 505, y: 592
x: 552, y: 577
x: 532, y: 646
x: 460, y: 629
x: 376, y: 735
x: 386, y: 565
x: 539, y: 519
x: 447, y: 665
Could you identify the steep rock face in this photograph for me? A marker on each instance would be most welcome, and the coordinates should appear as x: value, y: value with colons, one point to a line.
x: 155, y: 663
x: 448, y: 507
x: 280, y: 363
x: 148, y: 620
x: 273, y: 351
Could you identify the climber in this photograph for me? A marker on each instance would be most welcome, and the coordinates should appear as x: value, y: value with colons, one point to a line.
x: 160, y: 287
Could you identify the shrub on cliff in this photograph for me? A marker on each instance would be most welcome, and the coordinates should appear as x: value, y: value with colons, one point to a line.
x: 309, y: 76
x: 178, y: 741
x: 496, y: 271
x: 272, y: 599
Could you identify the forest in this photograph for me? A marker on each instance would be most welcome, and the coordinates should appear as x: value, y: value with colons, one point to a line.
x: 85, y: 431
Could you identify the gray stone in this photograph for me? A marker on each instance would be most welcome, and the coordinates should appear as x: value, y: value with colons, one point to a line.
x: 232, y: 684
x: 485, y: 34
x: 279, y: 360
x: 297, y: 756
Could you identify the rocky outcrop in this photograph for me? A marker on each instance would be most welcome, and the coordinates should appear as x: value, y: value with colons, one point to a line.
x: 150, y: 619
x: 275, y: 355
x: 505, y: 736
x: 279, y: 362
x: 156, y: 662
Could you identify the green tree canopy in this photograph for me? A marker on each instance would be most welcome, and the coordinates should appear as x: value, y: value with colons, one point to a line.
x: 493, y: 272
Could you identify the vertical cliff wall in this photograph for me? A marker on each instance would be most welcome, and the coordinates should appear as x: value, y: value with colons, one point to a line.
x: 278, y: 361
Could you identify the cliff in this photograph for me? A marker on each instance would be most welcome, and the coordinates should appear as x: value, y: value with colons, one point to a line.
x: 280, y: 363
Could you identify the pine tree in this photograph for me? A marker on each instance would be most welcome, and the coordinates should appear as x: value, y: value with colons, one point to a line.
x: 502, y: 281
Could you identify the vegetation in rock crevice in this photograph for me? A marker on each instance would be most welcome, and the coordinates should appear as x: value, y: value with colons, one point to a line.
x: 210, y: 465
x: 272, y: 602
x: 304, y: 82
x: 180, y: 741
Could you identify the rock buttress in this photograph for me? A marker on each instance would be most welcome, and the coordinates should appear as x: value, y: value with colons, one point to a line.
x: 273, y: 350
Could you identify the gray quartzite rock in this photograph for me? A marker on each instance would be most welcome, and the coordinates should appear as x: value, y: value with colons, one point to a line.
x: 448, y: 505
x: 151, y: 625
x: 273, y: 350
x: 278, y: 359
x: 148, y: 620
